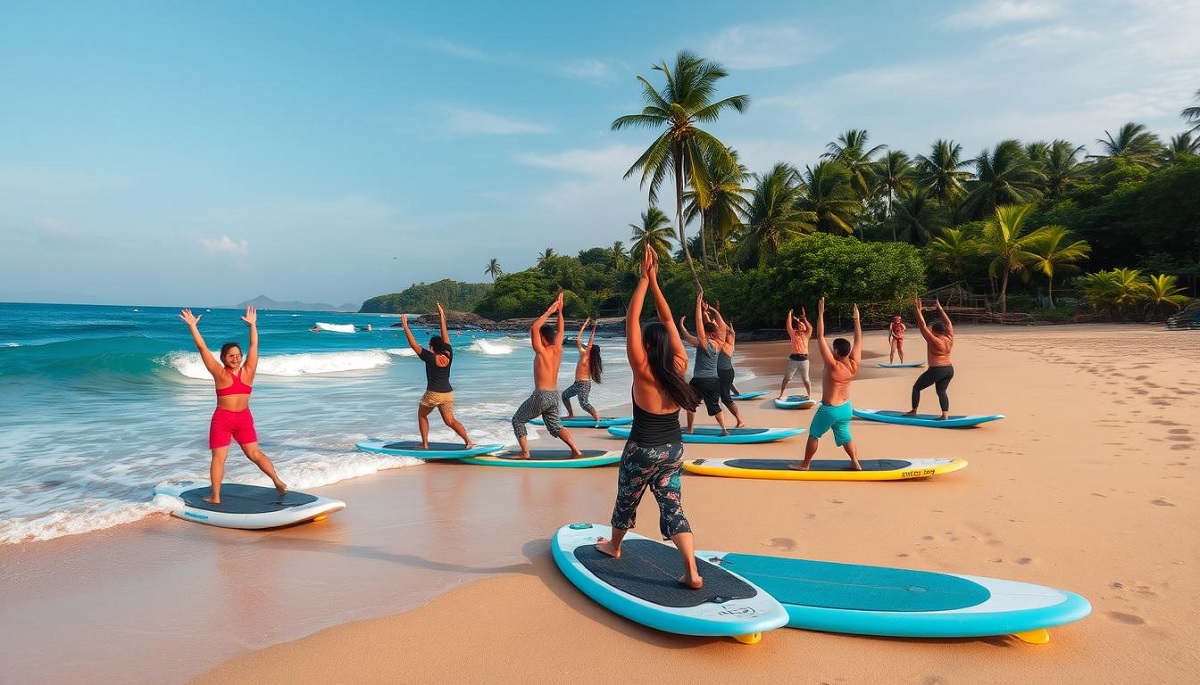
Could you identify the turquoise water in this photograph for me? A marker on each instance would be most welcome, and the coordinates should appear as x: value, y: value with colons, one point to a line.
x: 100, y: 403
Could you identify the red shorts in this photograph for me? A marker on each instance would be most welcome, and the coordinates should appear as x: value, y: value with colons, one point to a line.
x: 231, y: 425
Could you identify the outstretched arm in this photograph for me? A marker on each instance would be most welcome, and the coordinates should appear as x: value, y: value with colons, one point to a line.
x: 251, y: 364
x: 683, y: 331
x: 210, y: 362
x: 579, y: 336
x: 945, y: 318
x: 826, y: 353
x: 701, y: 336
x: 591, y: 337
x: 535, y: 336
x: 856, y: 351
x: 722, y: 327
x: 925, y: 332
x: 558, y: 337
x: 664, y: 316
x: 788, y: 323
x: 412, y: 342
x: 442, y: 319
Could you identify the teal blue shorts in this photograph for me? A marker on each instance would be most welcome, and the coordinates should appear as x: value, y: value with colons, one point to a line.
x: 836, y: 417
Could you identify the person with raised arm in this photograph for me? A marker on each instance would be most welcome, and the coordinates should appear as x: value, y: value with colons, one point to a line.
x: 653, y: 455
x: 547, y: 357
x: 587, y: 369
x: 896, y: 338
x: 726, y: 339
x: 232, y: 420
x: 439, y: 393
x: 939, y: 339
x: 841, y: 362
x: 704, y: 374
x: 798, y: 359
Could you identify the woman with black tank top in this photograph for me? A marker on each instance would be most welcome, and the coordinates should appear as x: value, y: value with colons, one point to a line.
x: 438, y: 391
x: 653, y: 455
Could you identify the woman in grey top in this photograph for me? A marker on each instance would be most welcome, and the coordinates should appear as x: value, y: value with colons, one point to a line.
x: 704, y: 375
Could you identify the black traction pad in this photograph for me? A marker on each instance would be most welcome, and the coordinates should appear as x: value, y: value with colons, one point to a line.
x: 433, y: 446
x: 553, y: 455
x: 817, y: 464
x: 651, y: 571
x: 713, y: 430
x: 245, y: 499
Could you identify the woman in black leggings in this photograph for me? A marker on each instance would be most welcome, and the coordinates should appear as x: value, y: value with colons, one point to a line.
x: 939, y: 338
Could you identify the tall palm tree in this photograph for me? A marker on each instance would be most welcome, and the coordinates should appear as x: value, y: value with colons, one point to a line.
x: 944, y: 172
x: 826, y: 192
x: 686, y: 101
x: 493, y: 269
x: 894, y: 174
x: 727, y: 202
x: 1133, y: 143
x: 1192, y: 116
x: 1061, y: 166
x: 543, y: 259
x: 1005, y: 176
x: 1003, y: 240
x: 1046, y: 251
x: 617, y: 256
x: 1183, y: 144
x: 850, y: 150
x: 655, y: 233
x: 917, y: 216
x: 952, y: 249
x: 774, y: 214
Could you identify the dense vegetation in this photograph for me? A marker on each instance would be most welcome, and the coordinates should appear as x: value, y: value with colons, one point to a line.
x: 423, y: 297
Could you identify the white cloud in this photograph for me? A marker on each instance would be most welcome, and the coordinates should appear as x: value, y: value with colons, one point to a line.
x: 751, y: 46
x: 224, y: 245
x: 458, y: 121
x: 991, y: 13
x: 587, y: 70
x: 607, y: 162
x: 448, y: 47
x: 55, y: 230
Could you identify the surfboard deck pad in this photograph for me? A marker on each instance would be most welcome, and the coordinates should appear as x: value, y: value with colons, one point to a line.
x: 816, y: 464
x: 552, y: 455
x: 237, y: 498
x: 433, y: 446
x: 651, y: 571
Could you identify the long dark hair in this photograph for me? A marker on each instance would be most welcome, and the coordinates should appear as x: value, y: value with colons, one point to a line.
x: 440, y: 346
x: 662, y: 364
x: 229, y: 346
x: 595, y: 366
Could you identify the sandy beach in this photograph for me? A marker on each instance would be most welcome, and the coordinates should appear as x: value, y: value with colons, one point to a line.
x: 441, y: 572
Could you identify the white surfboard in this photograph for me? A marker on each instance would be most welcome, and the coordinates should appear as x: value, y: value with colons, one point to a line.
x: 248, y: 507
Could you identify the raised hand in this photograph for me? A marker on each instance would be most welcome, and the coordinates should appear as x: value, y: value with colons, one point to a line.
x: 251, y: 316
x: 404, y: 319
x: 189, y: 318
x: 821, y: 306
x: 856, y: 312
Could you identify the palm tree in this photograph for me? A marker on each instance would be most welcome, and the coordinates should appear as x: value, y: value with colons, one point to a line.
x: 1114, y: 290
x: 1004, y: 243
x: 943, y: 171
x: 893, y: 176
x: 493, y: 269
x: 655, y: 233
x: 727, y: 202
x: 1192, y: 116
x: 1005, y: 176
x: 544, y: 259
x: 951, y: 249
x: 686, y: 100
x: 1133, y: 143
x: 850, y: 150
x: 1045, y: 251
x: 917, y: 216
x: 1164, y: 291
x: 827, y: 193
x: 1183, y: 144
x: 617, y: 257
x: 1061, y: 166
x: 774, y: 214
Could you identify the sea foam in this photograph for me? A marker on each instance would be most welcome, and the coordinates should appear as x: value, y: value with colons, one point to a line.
x: 189, y: 364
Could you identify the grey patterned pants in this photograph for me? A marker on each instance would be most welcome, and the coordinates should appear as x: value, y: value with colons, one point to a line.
x: 544, y: 402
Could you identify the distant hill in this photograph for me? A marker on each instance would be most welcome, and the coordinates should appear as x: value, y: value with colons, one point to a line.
x: 264, y: 302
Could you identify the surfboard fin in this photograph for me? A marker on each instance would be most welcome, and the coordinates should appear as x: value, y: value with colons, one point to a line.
x: 750, y: 639
x: 1034, y: 637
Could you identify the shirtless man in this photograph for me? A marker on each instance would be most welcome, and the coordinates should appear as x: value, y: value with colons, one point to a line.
x: 798, y: 359
x: 841, y: 366
x: 939, y: 337
x: 896, y: 338
x: 547, y: 356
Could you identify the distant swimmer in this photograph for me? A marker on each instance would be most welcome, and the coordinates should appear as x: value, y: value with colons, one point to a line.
x: 439, y: 393
x: 939, y: 339
x: 726, y: 339
x: 896, y: 338
x: 841, y: 366
x: 232, y: 419
x: 798, y: 334
x: 653, y: 454
x: 314, y: 329
x: 547, y: 357
x: 704, y: 373
x: 587, y: 370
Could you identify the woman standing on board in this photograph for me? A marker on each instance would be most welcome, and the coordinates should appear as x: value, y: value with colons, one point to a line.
x: 438, y: 391
x: 587, y: 369
x: 232, y: 419
x: 939, y: 339
x: 653, y: 455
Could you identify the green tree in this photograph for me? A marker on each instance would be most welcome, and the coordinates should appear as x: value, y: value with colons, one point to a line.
x: 1116, y: 291
x: 916, y: 217
x: 654, y: 233
x: 773, y: 216
x: 727, y: 202
x: 826, y: 192
x: 1191, y: 115
x: 545, y: 258
x: 618, y: 258
x: 1004, y: 240
x: 1061, y: 166
x: 894, y: 175
x: 1163, y: 293
x: 952, y: 249
x: 686, y: 100
x: 944, y: 172
x: 850, y: 150
x: 493, y: 269
x: 1005, y: 176
x: 1048, y: 252
x: 1183, y: 144
x: 1133, y: 143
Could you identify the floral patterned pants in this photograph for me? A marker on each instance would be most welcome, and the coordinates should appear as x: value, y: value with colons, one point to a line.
x: 659, y: 468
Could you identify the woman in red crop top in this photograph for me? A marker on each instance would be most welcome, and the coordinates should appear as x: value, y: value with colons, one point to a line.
x: 232, y: 419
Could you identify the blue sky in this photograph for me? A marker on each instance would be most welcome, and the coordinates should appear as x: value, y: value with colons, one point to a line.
x: 203, y: 153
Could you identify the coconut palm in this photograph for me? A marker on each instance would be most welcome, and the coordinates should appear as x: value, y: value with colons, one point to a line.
x: 894, y: 174
x: 1164, y: 292
x: 1192, y: 116
x: 826, y: 192
x: 943, y: 171
x: 493, y: 269
x: 545, y: 258
x: 686, y: 101
x: 917, y: 216
x: 1183, y: 144
x: 655, y: 233
x: 1115, y: 290
x: 617, y: 256
x: 1133, y: 143
x: 727, y: 202
x: 1047, y: 251
x: 850, y: 150
x: 952, y: 249
x: 1003, y: 240
x: 774, y: 215
x: 1005, y: 176
x: 1061, y: 166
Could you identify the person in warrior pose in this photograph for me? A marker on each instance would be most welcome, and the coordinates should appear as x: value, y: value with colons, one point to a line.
x: 896, y: 338
x: 798, y: 359
x: 547, y: 357
x: 726, y: 339
x: 587, y: 371
x: 439, y: 393
x: 704, y: 374
x: 841, y: 362
x: 939, y: 339
x: 232, y: 420
x: 653, y: 455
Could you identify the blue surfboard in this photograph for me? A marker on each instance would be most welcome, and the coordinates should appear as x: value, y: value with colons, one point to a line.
x: 589, y: 422
x: 749, y: 395
x: 550, y: 459
x: 928, y: 420
x: 437, y: 450
x: 737, y: 436
x: 909, y: 365
x: 795, y: 402
x: 877, y: 600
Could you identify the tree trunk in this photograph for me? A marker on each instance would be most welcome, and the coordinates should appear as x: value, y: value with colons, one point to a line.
x: 1004, y: 293
x: 687, y: 255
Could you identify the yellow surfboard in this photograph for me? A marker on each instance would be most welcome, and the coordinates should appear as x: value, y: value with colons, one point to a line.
x: 823, y: 469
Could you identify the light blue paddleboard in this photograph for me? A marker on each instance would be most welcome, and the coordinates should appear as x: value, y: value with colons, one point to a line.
x: 795, y: 402
x: 909, y: 365
x: 550, y: 459
x: 589, y: 422
x: 737, y: 436
x: 928, y: 420
x: 437, y: 450
x: 877, y: 600
x: 643, y: 586
x: 749, y: 395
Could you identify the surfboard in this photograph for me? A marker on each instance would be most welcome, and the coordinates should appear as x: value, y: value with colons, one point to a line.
x: 437, y: 450
x: 795, y: 402
x: 929, y: 420
x: 550, y: 459
x: 589, y: 422
x: 749, y: 395
x: 877, y: 600
x: 336, y: 327
x: 643, y: 586
x: 909, y: 365
x: 823, y: 469
x: 249, y: 507
x: 737, y: 436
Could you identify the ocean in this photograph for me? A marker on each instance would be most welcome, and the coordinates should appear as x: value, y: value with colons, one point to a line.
x: 100, y: 403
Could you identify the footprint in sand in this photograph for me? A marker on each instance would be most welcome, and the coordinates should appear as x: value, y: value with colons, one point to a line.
x: 1128, y: 619
x: 1161, y: 502
x: 935, y: 680
x: 1165, y: 422
x: 785, y: 544
x: 1181, y: 447
x: 1139, y: 391
x: 1024, y: 561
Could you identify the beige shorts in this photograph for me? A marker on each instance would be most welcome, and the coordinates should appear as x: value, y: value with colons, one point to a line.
x: 433, y: 399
